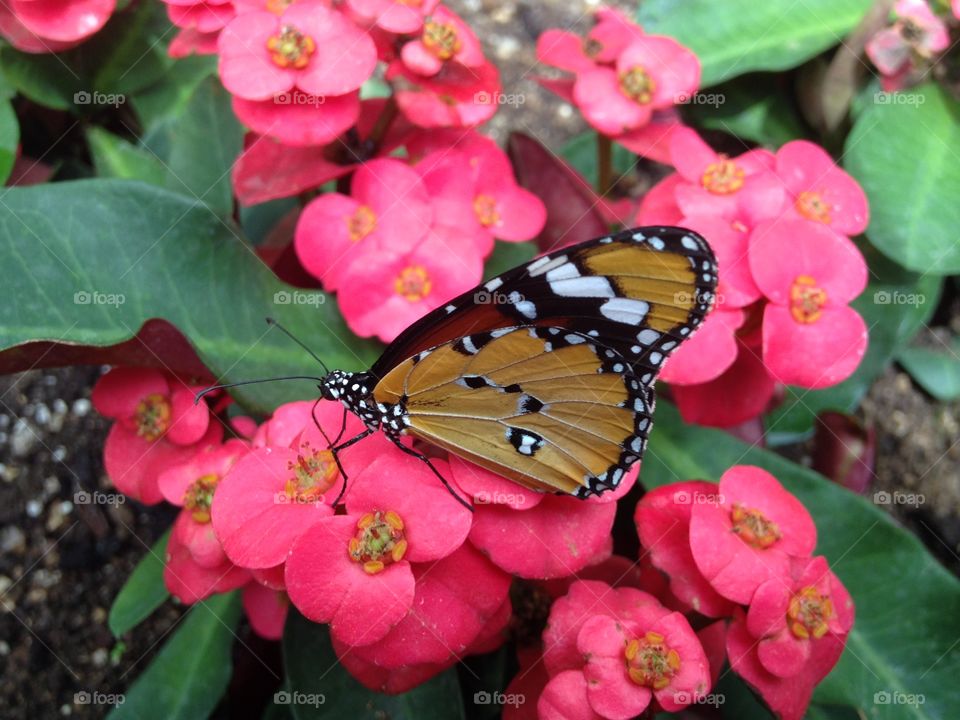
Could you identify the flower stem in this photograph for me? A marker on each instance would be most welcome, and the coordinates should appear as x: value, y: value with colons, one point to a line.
x: 604, y: 164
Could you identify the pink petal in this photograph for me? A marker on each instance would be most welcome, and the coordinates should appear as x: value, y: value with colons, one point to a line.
x: 689, y: 154
x: 118, y: 393
x: 659, y: 205
x: 63, y: 20
x: 189, y: 419
x: 327, y: 586
x: 565, y: 698
x: 603, y: 104
x: 714, y: 339
x: 266, y: 610
x: 419, y: 59
x: 653, y: 140
x: 246, y: 67
x: 322, y: 239
x: 783, y: 655
x: 610, y: 691
x: 299, y: 119
x: 483, y: 487
x: 813, y: 355
x: 564, y: 50
x: 397, y: 194
x: 674, y: 68
x: 767, y: 614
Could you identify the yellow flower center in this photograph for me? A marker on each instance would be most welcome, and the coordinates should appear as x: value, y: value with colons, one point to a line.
x: 152, y: 416
x: 314, y: 472
x: 808, y: 613
x: 413, y: 283
x: 278, y: 6
x: 290, y: 48
x: 753, y: 527
x: 806, y: 300
x: 361, y: 223
x: 637, y: 85
x: 486, y: 209
x: 650, y: 663
x: 812, y: 206
x: 199, y: 497
x: 441, y: 39
x: 723, y: 177
x: 379, y: 541
x: 591, y: 47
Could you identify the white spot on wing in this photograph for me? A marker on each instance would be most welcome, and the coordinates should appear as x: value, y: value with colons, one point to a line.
x: 648, y: 336
x: 567, y: 271
x: 524, y: 307
x: 593, y: 286
x: 625, y: 310
x: 545, y: 264
x: 493, y: 284
x: 689, y: 243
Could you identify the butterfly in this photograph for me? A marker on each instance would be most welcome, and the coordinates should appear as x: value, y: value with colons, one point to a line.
x: 544, y: 374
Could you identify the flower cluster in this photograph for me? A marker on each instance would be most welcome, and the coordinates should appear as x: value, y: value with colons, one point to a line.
x: 737, y: 558
x: 904, y: 51
x: 408, y: 579
x: 625, y: 82
x: 775, y: 321
x: 45, y: 26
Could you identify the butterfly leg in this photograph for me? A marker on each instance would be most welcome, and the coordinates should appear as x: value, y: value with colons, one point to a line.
x: 424, y: 458
x: 335, y: 450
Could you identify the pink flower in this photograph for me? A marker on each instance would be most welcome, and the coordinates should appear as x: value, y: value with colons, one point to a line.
x: 917, y: 33
x: 395, y: 16
x: 266, y: 609
x: 792, y: 636
x: 206, y: 16
x: 473, y: 187
x: 612, y: 33
x: 308, y: 47
x: 191, y: 41
x: 742, y: 392
x: 158, y: 425
x: 663, y: 523
x: 299, y: 119
x: 275, y: 493
x: 659, y: 204
x: 720, y: 186
x: 445, y: 38
x: 820, y: 191
x: 188, y: 580
x: 750, y: 534
x: 652, y: 73
x: 811, y: 337
x: 389, y: 208
x: 354, y: 571
x: 715, y: 339
x: 389, y: 290
x: 56, y: 23
x: 955, y: 6
x: 536, y: 535
x: 457, y: 96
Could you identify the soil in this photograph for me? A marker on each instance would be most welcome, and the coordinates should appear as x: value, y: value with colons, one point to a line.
x: 63, y: 562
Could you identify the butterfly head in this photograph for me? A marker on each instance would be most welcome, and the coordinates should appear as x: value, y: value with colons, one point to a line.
x: 337, y: 384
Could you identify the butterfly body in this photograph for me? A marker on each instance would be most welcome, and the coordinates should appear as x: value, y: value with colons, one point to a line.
x: 551, y: 384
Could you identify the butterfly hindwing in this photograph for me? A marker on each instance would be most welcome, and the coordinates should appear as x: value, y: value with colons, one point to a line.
x: 548, y: 408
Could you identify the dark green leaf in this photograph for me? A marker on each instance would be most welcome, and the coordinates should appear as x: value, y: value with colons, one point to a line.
x: 167, y: 98
x: 507, y: 255
x: 142, y: 593
x: 903, y: 641
x: 114, y: 157
x: 937, y: 370
x: 47, y: 79
x: 190, y: 673
x: 895, y: 306
x: 321, y: 689
x: 754, y: 107
x: 734, y: 37
x: 9, y: 139
x: 165, y: 257
x: 903, y: 150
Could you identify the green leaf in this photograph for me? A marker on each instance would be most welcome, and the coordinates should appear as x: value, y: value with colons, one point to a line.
x: 754, y: 107
x: 167, y: 98
x: 507, y: 255
x: 142, y: 593
x: 190, y: 673
x: 895, y: 305
x: 9, y: 139
x: 903, y: 150
x: 150, y: 253
x: 936, y: 370
x: 114, y: 157
x: 321, y: 689
x: 581, y: 153
x: 907, y: 625
x: 200, y: 145
x: 734, y: 37
x: 47, y: 79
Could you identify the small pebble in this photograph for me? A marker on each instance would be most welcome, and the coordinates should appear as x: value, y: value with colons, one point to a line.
x: 81, y: 407
x: 100, y: 657
x: 41, y: 414
x: 59, y: 453
x: 59, y: 406
x: 34, y: 508
x: 23, y: 438
x: 12, y: 540
x: 4, y: 648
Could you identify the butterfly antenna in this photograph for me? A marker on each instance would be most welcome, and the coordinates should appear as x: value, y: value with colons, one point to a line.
x: 311, y: 353
x: 199, y: 396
